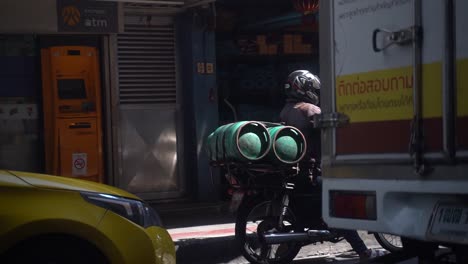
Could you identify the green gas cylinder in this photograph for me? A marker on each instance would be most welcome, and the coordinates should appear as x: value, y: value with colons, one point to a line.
x: 288, y: 144
x: 239, y: 141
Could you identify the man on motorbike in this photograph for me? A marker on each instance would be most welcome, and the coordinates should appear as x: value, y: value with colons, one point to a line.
x: 302, y: 91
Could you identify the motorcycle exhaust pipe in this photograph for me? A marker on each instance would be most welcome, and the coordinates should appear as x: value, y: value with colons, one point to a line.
x: 309, y: 236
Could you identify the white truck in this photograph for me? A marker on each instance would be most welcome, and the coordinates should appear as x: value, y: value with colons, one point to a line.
x: 397, y: 71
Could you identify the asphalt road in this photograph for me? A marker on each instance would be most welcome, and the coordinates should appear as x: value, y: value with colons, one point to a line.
x: 224, y: 250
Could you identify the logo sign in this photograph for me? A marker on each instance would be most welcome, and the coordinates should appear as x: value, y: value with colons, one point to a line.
x: 79, y: 164
x: 87, y: 16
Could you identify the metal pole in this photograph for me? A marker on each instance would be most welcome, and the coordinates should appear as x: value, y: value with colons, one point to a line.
x: 449, y: 81
x: 418, y: 137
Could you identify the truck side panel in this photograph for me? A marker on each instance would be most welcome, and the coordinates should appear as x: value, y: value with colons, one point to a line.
x: 375, y: 89
x: 461, y: 7
x: 369, y: 160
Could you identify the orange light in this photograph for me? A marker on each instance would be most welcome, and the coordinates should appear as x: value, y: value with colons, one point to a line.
x: 306, y: 6
x: 355, y: 205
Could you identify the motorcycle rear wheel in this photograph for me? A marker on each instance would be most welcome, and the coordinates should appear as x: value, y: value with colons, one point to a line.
x: 256, y: 217
x: 389, y: 242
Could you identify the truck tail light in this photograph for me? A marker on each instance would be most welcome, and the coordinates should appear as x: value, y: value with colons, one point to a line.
x: 355, y: 205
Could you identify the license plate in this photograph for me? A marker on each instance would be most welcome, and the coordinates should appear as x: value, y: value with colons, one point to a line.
x: 449, y: 223
x: 236, y: 200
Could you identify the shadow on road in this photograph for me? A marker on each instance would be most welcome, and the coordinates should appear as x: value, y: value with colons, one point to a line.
x: 225, y: 250
x: 348, y: 257
x: 209, y: 251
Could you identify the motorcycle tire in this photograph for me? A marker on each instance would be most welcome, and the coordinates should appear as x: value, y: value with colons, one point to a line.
x: 253, y: 218
x: 389, y: 242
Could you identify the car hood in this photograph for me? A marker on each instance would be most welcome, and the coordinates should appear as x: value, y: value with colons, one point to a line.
x: 65, y: 183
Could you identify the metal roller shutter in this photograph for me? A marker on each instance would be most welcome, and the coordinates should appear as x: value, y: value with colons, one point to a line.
x: 147, y: 64
x: 148, y: 124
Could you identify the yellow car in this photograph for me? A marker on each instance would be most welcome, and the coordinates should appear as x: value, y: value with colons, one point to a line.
x: 50, y: 219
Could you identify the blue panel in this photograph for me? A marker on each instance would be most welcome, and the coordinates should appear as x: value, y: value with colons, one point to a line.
x: 200, y: 112
x: 19, y: 77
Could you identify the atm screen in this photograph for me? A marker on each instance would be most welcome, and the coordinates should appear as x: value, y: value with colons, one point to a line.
x: 71, y: 89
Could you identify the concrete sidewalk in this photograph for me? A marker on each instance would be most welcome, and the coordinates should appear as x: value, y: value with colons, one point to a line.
x: 202, y: 232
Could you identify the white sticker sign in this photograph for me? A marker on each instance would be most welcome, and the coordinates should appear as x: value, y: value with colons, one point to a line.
x: 79, y: 164
x: 18, y: 111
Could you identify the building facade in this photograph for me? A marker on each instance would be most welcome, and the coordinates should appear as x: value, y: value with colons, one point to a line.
x: 158, y: 96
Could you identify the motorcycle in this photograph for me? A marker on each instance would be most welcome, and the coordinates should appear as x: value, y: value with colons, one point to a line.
x: 279, y: 211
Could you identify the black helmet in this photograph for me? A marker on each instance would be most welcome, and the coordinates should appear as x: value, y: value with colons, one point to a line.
x: 303, y: 85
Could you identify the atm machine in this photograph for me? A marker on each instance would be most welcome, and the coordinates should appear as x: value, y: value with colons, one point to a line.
x: 72, y: 112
